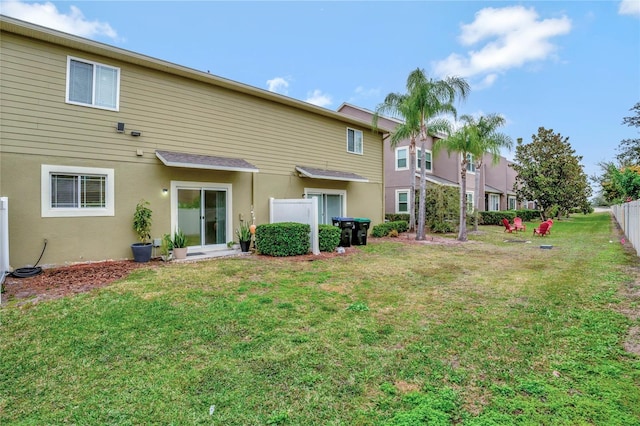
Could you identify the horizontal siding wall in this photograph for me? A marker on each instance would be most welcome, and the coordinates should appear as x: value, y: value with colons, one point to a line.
x: 172, y: 112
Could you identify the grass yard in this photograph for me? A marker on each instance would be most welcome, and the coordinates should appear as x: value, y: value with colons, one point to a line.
x: 490, y: 332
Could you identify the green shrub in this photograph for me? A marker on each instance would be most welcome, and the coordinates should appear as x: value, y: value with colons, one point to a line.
x: 283, y: 239
x: 383, y: 229
x: 527, y: 215
x: 495, y: 217
x: 394, y: 217
x: 441, y: 227
x: 328, y: 237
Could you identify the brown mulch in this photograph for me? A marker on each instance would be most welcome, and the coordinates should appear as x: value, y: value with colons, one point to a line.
x: 62, y: 281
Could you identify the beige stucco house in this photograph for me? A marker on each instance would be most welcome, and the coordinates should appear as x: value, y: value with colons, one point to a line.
x: 496, y: 180
x: 88, y: 130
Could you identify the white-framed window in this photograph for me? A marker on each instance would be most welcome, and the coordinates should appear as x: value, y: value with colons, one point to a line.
x: 469, y: 200
x: 428, y: 163
x: 402, y: 201
x: 354, y: 141
x: 513, y: 205
x: 68, y: 191
x: 402, y: 158
x: 494, y: 202
x: 92, y: 84
x: 471, y: 166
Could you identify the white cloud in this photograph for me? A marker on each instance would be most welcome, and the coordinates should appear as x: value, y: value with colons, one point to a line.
x: 513, y: 36
x: 278, y: 85
x: 629, y: 7
x: 318, y: 98
x: 47, y: 15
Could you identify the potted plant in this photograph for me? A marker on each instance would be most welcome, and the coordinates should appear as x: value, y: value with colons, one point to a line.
x: 244, y: 236
x: 179, y: 244
x: 142, y: 227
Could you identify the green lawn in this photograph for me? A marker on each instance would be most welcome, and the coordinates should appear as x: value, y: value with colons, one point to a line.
x: 490, y: 332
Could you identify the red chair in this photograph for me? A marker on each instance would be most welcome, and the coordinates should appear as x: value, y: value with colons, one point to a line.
x: 550, y: 221
x: 507, y: 226
x: 542, y: 230
x: 517, y: 223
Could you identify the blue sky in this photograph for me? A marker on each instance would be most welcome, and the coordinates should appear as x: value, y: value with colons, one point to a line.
x: 570, y: 66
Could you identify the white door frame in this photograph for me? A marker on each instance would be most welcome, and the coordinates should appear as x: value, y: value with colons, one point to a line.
x: 176, y: 184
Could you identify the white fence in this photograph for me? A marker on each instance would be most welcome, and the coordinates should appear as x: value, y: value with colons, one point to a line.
x: 628, y: 217
x: 303, y: 210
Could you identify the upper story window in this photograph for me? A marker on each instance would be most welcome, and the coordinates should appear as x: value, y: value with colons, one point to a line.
x: 354, y: 141
x: 427, y: 160
x: 77, y: 191
x: 402, y: 158
x: 92, y: 84
x: 471, y: 166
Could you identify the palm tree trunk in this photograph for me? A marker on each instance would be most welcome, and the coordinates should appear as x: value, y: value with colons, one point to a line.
x: 423, y: 194
x: 462, y: 232
x: 412, y: 185
x: 476, y: 196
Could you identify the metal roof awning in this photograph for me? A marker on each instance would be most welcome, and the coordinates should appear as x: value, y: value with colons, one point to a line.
x: 210, y: 162
x: 314, y: 173
x: 492, y: 190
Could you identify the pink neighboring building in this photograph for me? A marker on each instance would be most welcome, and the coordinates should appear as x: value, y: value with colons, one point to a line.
x: 496, y: 180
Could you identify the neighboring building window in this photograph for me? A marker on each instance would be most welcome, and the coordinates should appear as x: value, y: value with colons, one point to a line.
x: 469, y: 199
x: 494, y: 202
x: 77, y: 191
x: 419, y: 160
x: 471, y: 167
x: 402, y: 201
x: 354, y: 141
x: 512, y: 203
x: 402, y: 161
x: 93, y: 84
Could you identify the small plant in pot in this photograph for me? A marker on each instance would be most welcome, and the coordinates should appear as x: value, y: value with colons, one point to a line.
x: 243, y: 233
x: 179, y: 244
x: 142, y: 227
x: 166, y: 247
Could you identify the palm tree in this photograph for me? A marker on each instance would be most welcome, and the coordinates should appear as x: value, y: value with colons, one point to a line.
x: 490, y: 141
x: 397, y: 105
x: 464, y: 141
x: 431, y: 100
x: 425, y: 100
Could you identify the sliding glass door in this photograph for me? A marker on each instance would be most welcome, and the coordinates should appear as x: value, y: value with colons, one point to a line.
x: 202, y: 214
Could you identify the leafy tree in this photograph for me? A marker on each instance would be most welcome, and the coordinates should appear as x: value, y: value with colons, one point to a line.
x: 419, y: 107
x: 550, y: 173
x: 489, y: 141
x: 619, y: 183
x: 630, y: 148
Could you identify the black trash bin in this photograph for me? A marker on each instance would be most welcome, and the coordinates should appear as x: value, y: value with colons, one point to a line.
x: 346, y: 226
x: 360, y: 228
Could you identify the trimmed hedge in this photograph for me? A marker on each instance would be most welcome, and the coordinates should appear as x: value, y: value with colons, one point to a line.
x: 495, y: 217
x: 328, y: 237
x: 383, y: 229
x: 283, y: 239
x: 528, y: 215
